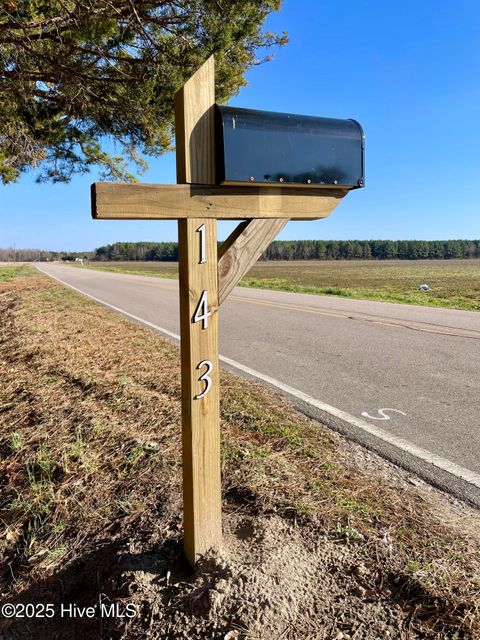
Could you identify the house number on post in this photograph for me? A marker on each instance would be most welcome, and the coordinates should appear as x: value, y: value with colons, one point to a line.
x: 205, y: 377
x: 201, y: 231
x: 202, y: 313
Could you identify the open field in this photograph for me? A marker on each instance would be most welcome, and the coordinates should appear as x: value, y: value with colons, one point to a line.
x: 453, y: 284
x: 321, y: 538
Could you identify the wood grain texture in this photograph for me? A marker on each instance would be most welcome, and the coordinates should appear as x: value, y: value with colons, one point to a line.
x: 120, y: 201
x: 201, y: 417
x: 236, y: 233
x: 244, y: 251
x: 199, y: 342
x: 194, y: 127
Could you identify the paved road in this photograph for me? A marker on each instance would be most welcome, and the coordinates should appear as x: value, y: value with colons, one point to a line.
x: 419, y: 365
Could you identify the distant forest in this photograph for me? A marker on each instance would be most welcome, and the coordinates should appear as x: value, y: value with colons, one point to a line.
x: 311, y: 250
x: 12, y: 254
x: 279, y: 250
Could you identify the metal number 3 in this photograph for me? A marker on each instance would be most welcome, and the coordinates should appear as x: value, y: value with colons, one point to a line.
x: 205, y: 377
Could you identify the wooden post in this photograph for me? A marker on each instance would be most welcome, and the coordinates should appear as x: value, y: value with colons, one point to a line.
x: 197, y: 240
x: 200, y: 386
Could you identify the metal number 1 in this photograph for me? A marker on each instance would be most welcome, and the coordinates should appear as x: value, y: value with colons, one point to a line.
x: 201, y: 231
x: 205, y: 377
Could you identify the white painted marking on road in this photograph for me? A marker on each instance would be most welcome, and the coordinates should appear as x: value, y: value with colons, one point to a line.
x: 404, y: 445
x: 382, y: 413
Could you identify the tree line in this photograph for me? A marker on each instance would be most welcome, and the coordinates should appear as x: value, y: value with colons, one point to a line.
x: 164, y: 251
x: 12, y: 254
x: 311, y: 250
x: 278, y: 250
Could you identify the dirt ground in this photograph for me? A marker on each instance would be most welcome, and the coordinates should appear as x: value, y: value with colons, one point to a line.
x: 322, y: 540
x: 272, y: 578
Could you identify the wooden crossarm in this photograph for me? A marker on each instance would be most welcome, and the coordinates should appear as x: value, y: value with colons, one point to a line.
x: 120, y: 201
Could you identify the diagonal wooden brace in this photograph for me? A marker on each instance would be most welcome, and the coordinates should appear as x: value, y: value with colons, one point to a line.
x: 242, y: 249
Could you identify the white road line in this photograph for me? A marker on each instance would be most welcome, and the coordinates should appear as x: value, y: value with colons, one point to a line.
x: 400, y: 443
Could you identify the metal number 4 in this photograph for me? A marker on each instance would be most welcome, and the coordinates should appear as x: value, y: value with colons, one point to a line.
x: 202, y: 312
x: 205, y: 377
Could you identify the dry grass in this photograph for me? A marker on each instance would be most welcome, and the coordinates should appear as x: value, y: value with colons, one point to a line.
x: 90, y: 450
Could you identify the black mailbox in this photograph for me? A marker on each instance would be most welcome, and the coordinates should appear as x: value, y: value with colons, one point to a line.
x: 262, y: 147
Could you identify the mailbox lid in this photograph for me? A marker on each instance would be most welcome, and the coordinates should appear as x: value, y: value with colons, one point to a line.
x: 282, y: 148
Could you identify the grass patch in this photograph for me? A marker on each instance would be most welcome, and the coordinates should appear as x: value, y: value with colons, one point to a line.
x: 158, y: 269
x: 454, y: 284
x: 14, y: 271
x: 90, y: 441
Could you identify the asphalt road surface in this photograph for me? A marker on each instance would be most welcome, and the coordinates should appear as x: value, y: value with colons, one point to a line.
x: 402, y: 380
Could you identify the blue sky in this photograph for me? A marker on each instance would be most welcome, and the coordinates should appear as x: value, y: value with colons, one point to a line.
x: 409, y: 72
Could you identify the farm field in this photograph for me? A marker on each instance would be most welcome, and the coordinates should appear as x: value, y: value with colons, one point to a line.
x: 91, y: 480
x: 454, y: 284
